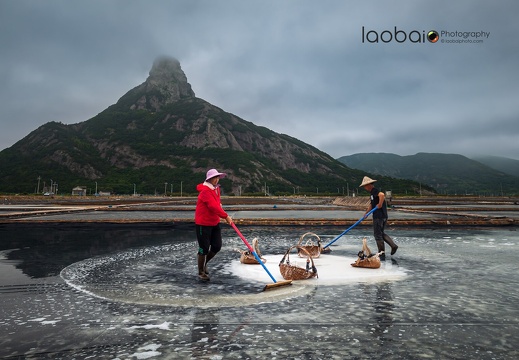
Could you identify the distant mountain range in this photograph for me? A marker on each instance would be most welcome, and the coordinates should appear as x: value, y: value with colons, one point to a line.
x: 503, y: 164
x: 159, y: 138
x: 446, y: 173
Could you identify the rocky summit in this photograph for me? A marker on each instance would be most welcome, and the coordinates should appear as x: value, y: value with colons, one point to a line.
x: 166, y: 84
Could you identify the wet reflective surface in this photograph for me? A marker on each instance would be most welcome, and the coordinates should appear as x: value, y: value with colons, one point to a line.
x: 132, y: 293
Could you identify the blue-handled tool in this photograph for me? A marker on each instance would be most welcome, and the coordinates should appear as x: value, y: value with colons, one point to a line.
x: 351, y: 227
x: 268, y: 286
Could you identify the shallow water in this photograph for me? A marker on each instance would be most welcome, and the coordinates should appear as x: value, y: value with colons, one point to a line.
x: 130, y: 294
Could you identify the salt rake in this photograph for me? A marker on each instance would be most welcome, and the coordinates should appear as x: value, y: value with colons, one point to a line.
x: 351, y: 227
x: 268, y: 286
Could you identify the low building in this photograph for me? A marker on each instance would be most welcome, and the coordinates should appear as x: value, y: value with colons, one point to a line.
x: 79, y: 190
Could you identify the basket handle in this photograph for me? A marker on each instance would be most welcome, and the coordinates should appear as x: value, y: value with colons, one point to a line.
x: 309, y: 241
x: 313, y: 268
x: 300, y: 248
x: 284, y: 256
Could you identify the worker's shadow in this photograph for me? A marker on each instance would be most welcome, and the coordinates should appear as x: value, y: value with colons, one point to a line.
x: 384, y: 307
x: 204, y: 333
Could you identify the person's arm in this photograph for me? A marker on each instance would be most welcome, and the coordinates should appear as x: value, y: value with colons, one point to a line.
x: 367, y: 211
x: 381, y: 199
x: 217, y: 207
x: 214, y: 205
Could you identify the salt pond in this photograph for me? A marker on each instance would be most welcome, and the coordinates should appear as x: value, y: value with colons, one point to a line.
x: 133, y: 293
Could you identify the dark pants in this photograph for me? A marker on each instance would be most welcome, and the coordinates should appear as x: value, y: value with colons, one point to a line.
x: 380, y: 235
x: 209, y: 239
x: 378, y: 228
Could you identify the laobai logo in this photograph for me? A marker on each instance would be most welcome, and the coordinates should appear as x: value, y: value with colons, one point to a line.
x: 399, y: 36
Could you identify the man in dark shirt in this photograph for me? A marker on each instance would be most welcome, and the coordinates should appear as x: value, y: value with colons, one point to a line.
x: 377, y: 199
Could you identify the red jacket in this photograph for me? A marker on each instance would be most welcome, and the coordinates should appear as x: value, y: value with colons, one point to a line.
x: 208, y: 207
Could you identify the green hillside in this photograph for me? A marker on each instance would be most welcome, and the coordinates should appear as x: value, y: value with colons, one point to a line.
x: 447, y: 173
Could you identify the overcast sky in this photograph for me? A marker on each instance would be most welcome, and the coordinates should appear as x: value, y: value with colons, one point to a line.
x: 298, y: 67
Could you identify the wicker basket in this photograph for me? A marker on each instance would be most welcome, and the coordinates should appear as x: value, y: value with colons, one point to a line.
x: 313, y: 247
x: 293, y: 272
x: 247, y: 257
x: 371, y: 262
x: 365, y: 258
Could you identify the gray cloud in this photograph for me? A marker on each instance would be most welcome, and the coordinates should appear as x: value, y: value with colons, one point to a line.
x: 296, y: 67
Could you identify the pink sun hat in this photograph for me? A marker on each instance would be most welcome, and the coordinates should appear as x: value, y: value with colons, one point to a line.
x: 212, y: 173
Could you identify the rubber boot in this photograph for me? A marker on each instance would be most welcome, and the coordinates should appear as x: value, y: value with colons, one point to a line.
x: 390, y: 242
x: 201, y: 265
x: 381, y: 250
x: 209, y: 257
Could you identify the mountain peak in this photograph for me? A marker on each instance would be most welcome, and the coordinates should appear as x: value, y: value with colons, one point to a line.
x: 166, y: 84
x: 166, y: 71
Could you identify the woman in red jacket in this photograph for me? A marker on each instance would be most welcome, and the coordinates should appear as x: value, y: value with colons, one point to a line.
x: 208, y: 213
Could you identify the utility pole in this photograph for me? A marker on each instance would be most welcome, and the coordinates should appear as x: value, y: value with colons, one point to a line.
x: 165, y: 188
x: 38, y: 191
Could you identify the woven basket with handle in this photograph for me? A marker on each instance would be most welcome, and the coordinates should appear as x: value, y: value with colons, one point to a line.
x: 293, y: 272
x: 312, y: 244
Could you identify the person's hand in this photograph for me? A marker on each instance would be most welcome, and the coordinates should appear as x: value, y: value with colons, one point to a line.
x: 228, y: 220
